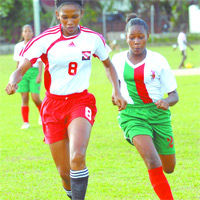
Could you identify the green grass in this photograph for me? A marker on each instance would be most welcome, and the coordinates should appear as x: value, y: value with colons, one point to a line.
x: 116, y: 170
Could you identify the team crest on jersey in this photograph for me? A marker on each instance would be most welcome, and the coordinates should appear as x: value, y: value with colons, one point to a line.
x: 86, y: 55
x: 153, y: 75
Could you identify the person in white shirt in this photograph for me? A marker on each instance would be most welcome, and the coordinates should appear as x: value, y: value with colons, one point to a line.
x: 68, y: 110
x: 182, y: 43
x: 31, y: 80
x: 144, y: 77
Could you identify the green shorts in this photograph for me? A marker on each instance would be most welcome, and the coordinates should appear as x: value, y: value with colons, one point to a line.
x: 28, y: 82
x: 148, y: 120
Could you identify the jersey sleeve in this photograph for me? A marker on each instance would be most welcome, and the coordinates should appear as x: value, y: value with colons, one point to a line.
x: 17, y: 50
x: 167, y: 77
x: 101, y: 50
x: 34, y: 50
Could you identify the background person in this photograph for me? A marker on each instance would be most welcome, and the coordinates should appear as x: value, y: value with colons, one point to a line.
x: 144, y: 77
x: 182, y: 43
x: 31, y: 81
x: 68, y: 110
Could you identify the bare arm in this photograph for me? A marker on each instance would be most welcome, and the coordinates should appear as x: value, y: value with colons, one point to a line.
x: 171, y: 100
x: 39, y: 77
x: 112, y: 76
x: 17, y: 64
x: 187, y: 44
x: 16, y: 77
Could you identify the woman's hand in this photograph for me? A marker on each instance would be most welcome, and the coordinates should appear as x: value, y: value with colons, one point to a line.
x: 38, y: 79
x: 119, y: 101
x: 162, y: 104
x: 171, y: 100
x: 11, y: 88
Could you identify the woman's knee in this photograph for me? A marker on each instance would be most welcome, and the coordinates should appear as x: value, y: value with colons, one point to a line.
x: 168, y: 163
x: 169, y: 169
x: 77, y: 160
x: 36, y: 99
x: 152, y: 161
x: 25, y: 98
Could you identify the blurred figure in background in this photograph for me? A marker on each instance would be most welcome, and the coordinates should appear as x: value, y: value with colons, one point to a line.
x: 182, y: 43
x: 31, y: 80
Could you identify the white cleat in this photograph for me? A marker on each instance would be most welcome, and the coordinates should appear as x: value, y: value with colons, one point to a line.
x: 26, y: 125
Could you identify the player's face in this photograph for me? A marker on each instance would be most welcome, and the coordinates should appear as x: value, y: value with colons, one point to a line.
x: 137, y: 38
x: 70, y: 16
x: 27, y: 33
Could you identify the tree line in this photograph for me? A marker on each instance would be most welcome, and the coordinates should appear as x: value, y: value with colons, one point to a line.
x: 15, y: 13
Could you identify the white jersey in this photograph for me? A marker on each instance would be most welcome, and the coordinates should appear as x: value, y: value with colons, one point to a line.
x: 67, y: 59
x: 182, y: 41
x: 146, y: 81
x: 17, y: 53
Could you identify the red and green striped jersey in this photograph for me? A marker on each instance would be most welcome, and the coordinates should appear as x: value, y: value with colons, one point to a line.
x: 145, y: 82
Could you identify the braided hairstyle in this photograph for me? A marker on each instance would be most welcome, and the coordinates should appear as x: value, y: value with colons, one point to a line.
x: 59, y: 3
x: 132, y: 20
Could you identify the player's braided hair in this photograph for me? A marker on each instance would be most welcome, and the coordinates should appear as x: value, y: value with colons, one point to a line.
x: 58, y: 3
x: 132, y: 20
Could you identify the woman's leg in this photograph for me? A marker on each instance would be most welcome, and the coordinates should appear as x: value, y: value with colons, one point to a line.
x: 79, y: 134
x: 144, y: 145
x: 36, y: 99
x: 168, y: 163
x: 60, y: 154
x: 25, y: 109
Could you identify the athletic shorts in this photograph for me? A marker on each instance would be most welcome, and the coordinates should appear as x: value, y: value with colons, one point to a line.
x: 58, y: 112
x: 148, y: 120
x: 28, y: 82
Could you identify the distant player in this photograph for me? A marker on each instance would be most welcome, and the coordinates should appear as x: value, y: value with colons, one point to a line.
x: 31, y: 80
x: 144, y: 77
x: 182, y: 43
x: 68, y: 110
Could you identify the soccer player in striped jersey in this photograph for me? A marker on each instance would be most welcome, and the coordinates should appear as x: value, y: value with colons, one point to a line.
x: 68, y: 110
x: 32, y: 79
x: 144, y: 76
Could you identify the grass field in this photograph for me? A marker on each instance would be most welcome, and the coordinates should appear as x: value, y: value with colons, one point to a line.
x: 117, y: 172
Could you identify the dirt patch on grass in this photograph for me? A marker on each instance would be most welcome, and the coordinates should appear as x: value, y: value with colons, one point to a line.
x: 187, y: 72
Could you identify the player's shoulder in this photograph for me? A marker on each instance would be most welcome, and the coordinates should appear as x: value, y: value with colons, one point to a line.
x: 90, y: 32
x: 120, y: 55
x: 19, y: 44
x: 155, y: 55
x: 49, y: 33
x: 157, y: 59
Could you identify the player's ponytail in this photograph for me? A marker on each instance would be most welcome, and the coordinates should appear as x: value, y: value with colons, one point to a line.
x: 130, y: 16
x: 59, y: 3
x: 132, y: 20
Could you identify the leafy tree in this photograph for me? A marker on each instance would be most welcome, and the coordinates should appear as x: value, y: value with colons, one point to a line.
x: 13, y: 15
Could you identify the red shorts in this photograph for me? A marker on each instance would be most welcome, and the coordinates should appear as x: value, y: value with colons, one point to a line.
x: 58, y: 112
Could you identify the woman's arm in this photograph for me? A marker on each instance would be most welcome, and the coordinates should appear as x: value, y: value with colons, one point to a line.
x: 112, y: 76
x: 16, y: 77
x: 39, y: 77
x: 171, y: 100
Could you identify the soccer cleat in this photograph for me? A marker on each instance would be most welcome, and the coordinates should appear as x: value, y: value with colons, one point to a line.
x: 40, y: 120
x: 26, y: 125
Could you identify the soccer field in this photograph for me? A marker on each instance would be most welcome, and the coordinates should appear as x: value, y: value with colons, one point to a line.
x: 117, y: 172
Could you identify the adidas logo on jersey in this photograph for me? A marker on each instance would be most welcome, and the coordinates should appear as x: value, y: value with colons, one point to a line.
x: 86, y: 55
x: 71, y: 44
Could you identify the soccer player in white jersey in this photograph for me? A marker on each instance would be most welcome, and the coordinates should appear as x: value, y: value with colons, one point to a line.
x: 182, y: 43
x: 144, y: 77
x: 32, y: 79
x: 68, y: 110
